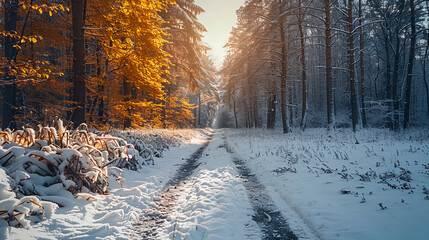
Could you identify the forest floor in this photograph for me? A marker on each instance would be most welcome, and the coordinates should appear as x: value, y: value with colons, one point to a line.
x: 261, y: 184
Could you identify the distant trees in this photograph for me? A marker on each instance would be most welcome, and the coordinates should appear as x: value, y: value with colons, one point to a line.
x: 101, y: 62
x: 365, y: 50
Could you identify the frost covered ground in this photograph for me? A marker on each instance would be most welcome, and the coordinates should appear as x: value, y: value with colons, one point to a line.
x: 338, y: 188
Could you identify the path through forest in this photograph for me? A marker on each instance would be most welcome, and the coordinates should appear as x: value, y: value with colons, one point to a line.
x: 213, y: 196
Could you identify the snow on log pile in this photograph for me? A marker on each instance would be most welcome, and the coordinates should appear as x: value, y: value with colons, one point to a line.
x: 41, y: 170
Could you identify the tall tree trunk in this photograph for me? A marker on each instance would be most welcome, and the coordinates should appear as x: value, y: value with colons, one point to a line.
x: 303, y: 71
x: 9, y: 103
x: 101, y: 118
x: 235, y: 111
x: 199, y: 109
x: 328, y: 54
x: 285, y: 121
x: 127, y: 100
x: 351, y: 65
x: 362, y: 66
x: 79, y: 88
x: 426, y: 84
x: 424, y: 68
x: 255, y: 110
x: 410, y: 66
x: 395, y: 123
x: 388, y: 87
x: 269, y: 107
x: 271, y: 118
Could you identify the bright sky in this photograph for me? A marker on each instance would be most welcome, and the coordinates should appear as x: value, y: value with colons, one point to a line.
x: 219, y: 19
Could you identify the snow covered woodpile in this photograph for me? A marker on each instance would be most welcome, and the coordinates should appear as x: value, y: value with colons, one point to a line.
x: 54, y: 164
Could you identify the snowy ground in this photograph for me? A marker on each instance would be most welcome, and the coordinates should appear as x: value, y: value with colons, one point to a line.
x: 325, y: 186
x: 214, y: 204
x: 337, y: 189
x: 110, y: 216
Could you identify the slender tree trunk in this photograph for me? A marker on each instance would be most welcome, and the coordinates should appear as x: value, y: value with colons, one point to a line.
x: 199, y: 109
x: 362, y: 66
x: 164, y: 112
x: 274, y: 111
x: 410, y: 66
x: 271, y: 111
x: 9, y: 103
x: 290, y: 86
x: 269, y: 107
x: 424, y: 68
x: 127, y: 100
x: 388, y: 87
x: 283, y: 83
x: 303, y: 71
x: 351, y: 53
x: 235, y: 111
x: 255, y: 110
x: 285, y: 121
x: 329, y: 86
x: 395, y: 124
x: 101, y: 91
x: 79, y: 88
x: 426, y: 85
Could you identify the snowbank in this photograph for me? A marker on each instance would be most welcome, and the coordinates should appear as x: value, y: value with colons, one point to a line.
x: 86, y: 215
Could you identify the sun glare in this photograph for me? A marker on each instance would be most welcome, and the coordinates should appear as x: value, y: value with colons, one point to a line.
x: 219, y: 17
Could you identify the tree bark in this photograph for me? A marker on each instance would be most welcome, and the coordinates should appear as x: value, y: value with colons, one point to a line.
x: 328, y: 55
x: 285, y: 121
x: 351, y: 65
x: 271, y: 119
x: 394, y: 93
x: 199, y: 109
x: 388, y: 87
x: 362, y: 66
x: 127, y: 100
x: 235, y: 111
x: 79, y: 87
x: 424, y: 68
x: 410, y: 66
x: 303, y: 71
x: 9, y: 103
x: 255, y: 109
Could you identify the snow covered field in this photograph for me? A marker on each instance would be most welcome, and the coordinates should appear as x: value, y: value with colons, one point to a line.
x: 338, y: 188
x: 324, y: 184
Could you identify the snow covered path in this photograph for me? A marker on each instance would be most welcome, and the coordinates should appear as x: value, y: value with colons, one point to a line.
x: 210, y: 204
x: 267, y: 214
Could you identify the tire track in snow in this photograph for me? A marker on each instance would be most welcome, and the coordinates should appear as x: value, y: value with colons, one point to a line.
x: 267, y: 214
x: 148, y: 225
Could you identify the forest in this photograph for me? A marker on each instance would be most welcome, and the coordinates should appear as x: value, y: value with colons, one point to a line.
x: 330, y: 63
x: 108, y: 63
x: 119, y: 120
x: 298, y: 63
